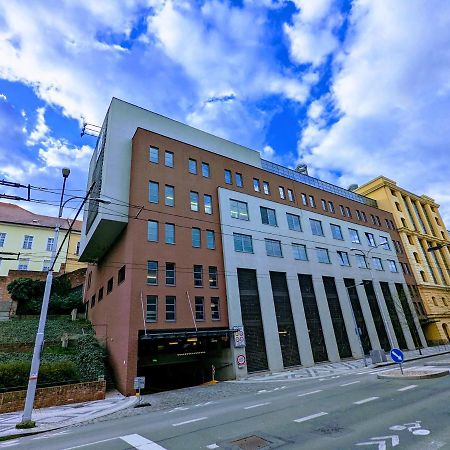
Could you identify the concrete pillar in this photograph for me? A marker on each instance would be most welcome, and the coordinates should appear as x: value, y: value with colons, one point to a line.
x: 424, y: 218
x: 325, y: 319
x: 434, y: 225
x: 430, y: 264
x: 385, y: 314
x: 413, y: 215
x: 370, y: 325
x: 401, y: 316
x: 349, y: 320
x: 416, y: 320
x: 298, y: 314
x: 269, y: 320
x: 440, y: 261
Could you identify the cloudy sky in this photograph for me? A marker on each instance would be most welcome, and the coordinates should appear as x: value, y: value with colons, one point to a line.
x: 355, y: 89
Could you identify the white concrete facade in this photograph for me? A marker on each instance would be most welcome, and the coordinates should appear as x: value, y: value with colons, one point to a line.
x: 263, y: 264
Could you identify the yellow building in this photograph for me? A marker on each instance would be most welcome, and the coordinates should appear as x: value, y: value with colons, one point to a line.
x: 32, y: 237
x: 420, y: 226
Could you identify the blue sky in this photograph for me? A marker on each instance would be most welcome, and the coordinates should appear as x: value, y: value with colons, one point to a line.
x: 355, y: 89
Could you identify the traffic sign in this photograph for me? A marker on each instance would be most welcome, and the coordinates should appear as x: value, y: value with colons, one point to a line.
x: 240, y: 361
x: 397, y: 355
x: 139, y: 382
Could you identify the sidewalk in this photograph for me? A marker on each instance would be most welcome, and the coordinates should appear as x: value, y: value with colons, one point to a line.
x: 61, y: 416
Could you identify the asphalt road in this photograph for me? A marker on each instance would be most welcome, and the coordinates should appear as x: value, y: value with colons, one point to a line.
x: 354, y: 411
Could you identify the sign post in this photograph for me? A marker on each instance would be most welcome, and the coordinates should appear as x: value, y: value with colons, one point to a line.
x: 397, y: 356
x: 139, y: 383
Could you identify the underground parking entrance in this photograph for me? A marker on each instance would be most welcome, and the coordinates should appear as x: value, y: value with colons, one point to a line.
x: 183, y: 358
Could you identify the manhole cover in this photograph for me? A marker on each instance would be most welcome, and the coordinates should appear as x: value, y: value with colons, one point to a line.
x: 252, y: 443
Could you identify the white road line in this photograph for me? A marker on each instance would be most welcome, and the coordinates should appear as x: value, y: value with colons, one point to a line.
x: 212, y: 446
x: 348, y: 384
x: 257, y: 406
x: 92, y: 443
x: 309, y: 393
x: 366, y: 400
x: 137, y: 441
x: 188, y: 421
x: 312, y: 416
x: 407, y: 388
x: 10, y: 443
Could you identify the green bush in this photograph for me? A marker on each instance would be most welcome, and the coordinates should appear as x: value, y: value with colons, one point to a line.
x: 64, y: 304
x: 90, y: 358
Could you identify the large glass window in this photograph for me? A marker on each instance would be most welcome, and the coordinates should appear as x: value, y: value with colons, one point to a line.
x: 196, y: 237
x: 377, y: 264
x: 154, y: 154
x: 323, y: 255
x: 316, y: 227
x: 213, y: 280
x: 299, y: 252
x: 192, y: 166
x: 354, y: 236
x: 336, y: 232
x: 27, y: 242
x: 153, y: 192
x: 242, y: 243
x: 152, y: 231
x: 227, y: 176
x: 273, y: 248
x: 207, y: 200
x: 343, y: 258
x: 205, y: 170
x: 194, y: 201
x: 152, y: 308
x: 392, y: 266
x: 152, y: 272
x: 168, y: 159
x: 171, y: 301
x: 215, y: 310
x: 169, y: 195
x: 268, y: 216
x: 293, y: 221
x: 170, y: 273
x: 361, y: 261
x: 199, y: 308
x: 170, y: 233
x: 210, y: 239
x: 239, y: 210
x: 198, y: 276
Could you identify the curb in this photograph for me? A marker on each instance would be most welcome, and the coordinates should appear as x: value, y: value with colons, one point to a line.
x: 438, y: 363
x: 442, y: 373
x: 391, y: 363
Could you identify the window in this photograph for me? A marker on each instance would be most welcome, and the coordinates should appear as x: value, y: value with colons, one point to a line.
x: 316, y: 227
x: 77, y: 249
x: 170, y: 308
x: 341, y: 207
x: 361, y: 261
x: 290, y: 195
x: 331, y: 207
x: 370, y: 239
x: 121, y: 275
x: 215, y: 310
x: 205, y: 170
x: 227, y: 176
x: 154, y: 154
x: 93, y: 301
x: 304, y: 199
x: 273, y: 248
x: 293, y: 221
x: 281, y: 191
x: 27, y: 242
x: 388, y: 223
x: 50, y: 243
x: 2, y: 239
x: 207, y: 200
x: 324, y: 204
x: 358, y: 214
x: 323, y: 255
x: 89, y: 280
x: 196, y: 238
x: 153, y: 192
x: 256, y: 185
x: 169, y: 195
x: 168, y: 159
x: 198, y: 276
x: 378, y: 221
x: 266, y: 188
x: 192, y: 166
x: 239, y: 182
x: 194, y: 201
x: 384, y: 243
x: 377, y: 263
x: 46, y: 265
x: 312, y: 202
x: 152, y: 272
x: 152, y: 231
x: 170, y: 233
x: 373, y: 219
x: 349, y: 213
x: 392, y: 266
x: 242, y: 243
x: 343, y: 258
x: 210, y: 239
x: 299, y: 252
x: 363, y: 215
x: 199, y: 308
x: 336, y: 232
x: 354, y: 236
x: 397, y: 205
x: 23, y: 264
x: 212, y: 271
x: 109, y: 285
x: 100, y: 294
x: 170, y: 274
x: 268, y: 216
x: 152, y: 308
x: 239, y: 210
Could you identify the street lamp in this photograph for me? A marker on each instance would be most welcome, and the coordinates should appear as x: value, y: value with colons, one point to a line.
x: 39, y: 342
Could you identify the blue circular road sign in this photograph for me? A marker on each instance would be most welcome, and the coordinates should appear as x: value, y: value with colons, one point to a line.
x: 397, y: 355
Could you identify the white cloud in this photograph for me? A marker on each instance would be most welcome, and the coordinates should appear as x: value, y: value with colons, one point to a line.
x: 3, y: 97
x: 59, y: 153
x: 41, y: 129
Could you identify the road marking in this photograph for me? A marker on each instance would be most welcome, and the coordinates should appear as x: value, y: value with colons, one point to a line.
x: 137, y: 441
x: 10, y: 443
x: 92, y: 443
x: 257, y: 406
x: 312, y: 416
x: 261, y: 391
x: 366, y: 400
x: 309, y: 393
x: 348, y: 384
x: 212, y: 446
x: 407, y: 388
x: 188, y: 421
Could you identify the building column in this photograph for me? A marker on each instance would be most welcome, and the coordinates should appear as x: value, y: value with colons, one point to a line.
x: 370, y: 324
x: 424, y: 219
x: 434, y: 225
x: 325, y: 320
x: 416, y: 223
x: 401, y: 316
x: 416, y: 320
x: 269, y: 320
x: 433, y: 271
x: 385, y: 314
x: 443, y: 267
x: 298, y: 314
x: 350, y: 325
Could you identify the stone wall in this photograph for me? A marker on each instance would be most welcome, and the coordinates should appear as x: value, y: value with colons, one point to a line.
x: 53, y: 396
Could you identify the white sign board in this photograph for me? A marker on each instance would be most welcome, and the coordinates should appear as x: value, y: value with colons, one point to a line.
x: 239, y: 337
x: 139, y: 382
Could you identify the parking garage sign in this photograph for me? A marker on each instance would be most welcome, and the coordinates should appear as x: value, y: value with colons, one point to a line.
x: 239, y: 337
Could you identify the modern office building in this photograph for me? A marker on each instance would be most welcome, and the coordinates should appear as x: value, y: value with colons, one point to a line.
x: 420, y: 226
x: 209, y: 255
